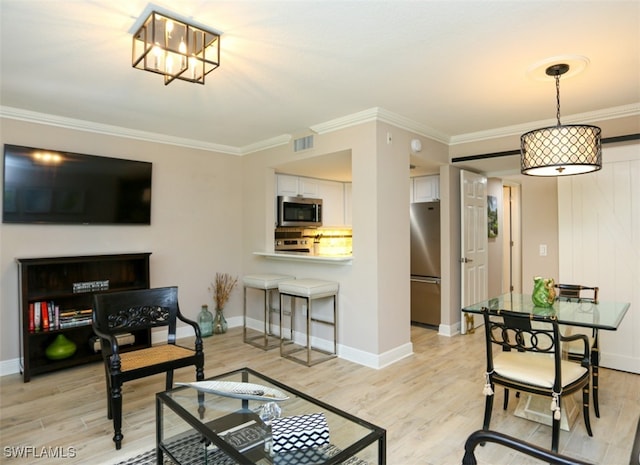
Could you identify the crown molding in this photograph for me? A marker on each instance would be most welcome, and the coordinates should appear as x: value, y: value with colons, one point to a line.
x: 622, y: 111
x: 354, y: 119
x: 109, y: 130
x: 382, y: 115
x: 266, y: 144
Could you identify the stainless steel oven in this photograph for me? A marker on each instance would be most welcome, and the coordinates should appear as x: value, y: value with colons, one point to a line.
x: 299, y: 211
x: 291, y: 240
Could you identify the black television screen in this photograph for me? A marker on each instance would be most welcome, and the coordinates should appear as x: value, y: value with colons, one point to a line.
x: 47, y: 186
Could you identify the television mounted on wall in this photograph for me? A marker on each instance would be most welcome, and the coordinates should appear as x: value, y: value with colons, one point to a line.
x: 54, y: 187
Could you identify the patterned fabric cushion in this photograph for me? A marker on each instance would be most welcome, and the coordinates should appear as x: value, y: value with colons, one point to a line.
x: 313, y: 456
x: 299, y: 432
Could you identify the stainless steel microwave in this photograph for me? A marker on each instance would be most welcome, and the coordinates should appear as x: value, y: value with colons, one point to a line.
x: 299, y: 211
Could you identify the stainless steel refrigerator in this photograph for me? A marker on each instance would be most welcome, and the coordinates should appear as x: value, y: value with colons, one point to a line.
x: 425, y: 263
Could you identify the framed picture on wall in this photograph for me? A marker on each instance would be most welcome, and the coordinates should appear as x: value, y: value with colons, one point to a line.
x: 492, y: 215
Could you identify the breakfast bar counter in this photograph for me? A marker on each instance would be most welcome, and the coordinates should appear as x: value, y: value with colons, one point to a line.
x: 308, y: 258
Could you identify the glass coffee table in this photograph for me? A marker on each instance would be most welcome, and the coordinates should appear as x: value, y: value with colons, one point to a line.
x: 244, y: 417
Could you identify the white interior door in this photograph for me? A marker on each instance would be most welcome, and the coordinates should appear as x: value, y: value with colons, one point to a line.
x: 473, y: 256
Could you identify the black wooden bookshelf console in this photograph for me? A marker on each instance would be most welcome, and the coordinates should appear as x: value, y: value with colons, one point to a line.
x: 70, y: 282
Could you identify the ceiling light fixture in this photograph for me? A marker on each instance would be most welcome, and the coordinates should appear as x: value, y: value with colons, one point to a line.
x: 560, y: 150
x: 175, y: 49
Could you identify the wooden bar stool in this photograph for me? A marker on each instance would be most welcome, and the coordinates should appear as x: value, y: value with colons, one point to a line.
x: 310, y: 290
x: 267, y: 283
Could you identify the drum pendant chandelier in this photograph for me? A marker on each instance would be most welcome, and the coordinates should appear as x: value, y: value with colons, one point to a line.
x: 560, y: 150
x: 175, y: 49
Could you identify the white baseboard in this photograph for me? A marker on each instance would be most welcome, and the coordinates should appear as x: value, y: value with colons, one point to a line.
x: 619, y: 362
x: 376, y: 361
x: 10, y: 367
x: 449, y: 330
x: 358, y: 356
x: 351, y: 354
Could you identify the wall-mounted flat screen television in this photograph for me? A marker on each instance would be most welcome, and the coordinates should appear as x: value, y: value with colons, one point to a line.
x: 47, y: 186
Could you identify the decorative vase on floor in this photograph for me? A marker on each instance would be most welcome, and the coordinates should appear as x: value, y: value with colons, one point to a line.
x: 221, y: 289
x: 205, y: 321
x: 219, y: 322
x: 60, y: 348
x: 544, y: 293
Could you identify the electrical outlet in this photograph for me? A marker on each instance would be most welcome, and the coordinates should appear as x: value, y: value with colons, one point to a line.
x: 543, y: 250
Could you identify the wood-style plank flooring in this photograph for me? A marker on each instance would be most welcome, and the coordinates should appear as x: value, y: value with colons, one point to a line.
x: 429, y: 403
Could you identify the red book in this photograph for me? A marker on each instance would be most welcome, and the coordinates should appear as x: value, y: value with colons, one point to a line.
x: 44, y: 310
x: 32, y: 321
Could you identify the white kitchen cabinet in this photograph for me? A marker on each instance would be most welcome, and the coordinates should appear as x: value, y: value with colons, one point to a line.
x: 286, y: 185
x: 426, y: 188
x: 336, y: 203
x: 309, y: 187
x: 292, y: 186
x: 332, y: 195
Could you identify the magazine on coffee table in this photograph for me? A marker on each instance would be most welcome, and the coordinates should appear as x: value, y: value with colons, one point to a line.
x: 243, y: 429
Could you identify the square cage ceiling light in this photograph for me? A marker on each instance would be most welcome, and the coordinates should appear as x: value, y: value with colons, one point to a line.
x: 175, y: 49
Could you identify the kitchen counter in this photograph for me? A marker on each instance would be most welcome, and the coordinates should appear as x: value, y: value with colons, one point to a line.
x: 305, y: 257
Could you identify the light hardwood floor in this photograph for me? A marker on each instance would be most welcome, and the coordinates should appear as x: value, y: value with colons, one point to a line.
x: 428, y: 403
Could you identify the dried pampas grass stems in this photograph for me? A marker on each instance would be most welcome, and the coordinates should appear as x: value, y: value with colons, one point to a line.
x: 221, y: 288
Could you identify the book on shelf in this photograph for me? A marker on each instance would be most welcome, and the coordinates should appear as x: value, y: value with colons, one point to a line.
x: 36, y: 316
x: 45, y: 316
x: 70, y: 318
x: 56, y: 315
x: 72, y: 313
x: 44, y: 311
x: 32, y: 316
x: 75, y: 322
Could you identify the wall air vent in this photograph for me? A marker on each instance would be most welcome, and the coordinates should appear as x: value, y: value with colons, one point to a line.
x: 303, y: 143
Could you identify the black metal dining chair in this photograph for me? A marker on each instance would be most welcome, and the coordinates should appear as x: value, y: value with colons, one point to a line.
x: 527, y: 358
x: 526, y: 448
x: 580, y: 293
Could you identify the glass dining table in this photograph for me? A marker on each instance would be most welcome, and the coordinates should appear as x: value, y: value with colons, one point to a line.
x: 572, y: 312
x: 606, y: 315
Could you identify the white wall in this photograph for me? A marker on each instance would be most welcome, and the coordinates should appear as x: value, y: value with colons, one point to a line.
x: 600, y: 244
x: 196, y: 222
x: 450, y: 258
x: 539, y: 226
x: 374, y: 320
x: 211, y: 211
